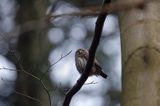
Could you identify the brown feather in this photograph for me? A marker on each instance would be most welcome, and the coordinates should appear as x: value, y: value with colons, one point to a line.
x: 81, y: 57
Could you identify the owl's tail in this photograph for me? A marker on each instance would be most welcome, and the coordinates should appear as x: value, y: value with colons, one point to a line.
x: 103, y: 74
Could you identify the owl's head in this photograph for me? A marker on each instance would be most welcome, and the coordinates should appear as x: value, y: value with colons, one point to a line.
x: 81, y: 52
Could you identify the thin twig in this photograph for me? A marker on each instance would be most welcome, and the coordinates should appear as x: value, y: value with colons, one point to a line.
x: 29, y: 74
x: 18, y: 58
x: 97, y: 35
x: 35, y: 77
x: 90, y: 83
x: 47, y: 91
x: 21, y: 67
x: 62, y: 56
x: 20, y: 93
x: 29, y: 97
x: 41, y: 79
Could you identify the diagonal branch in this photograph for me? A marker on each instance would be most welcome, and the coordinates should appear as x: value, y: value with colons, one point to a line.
x: 29, y: 97
x: 40, y: 80
x: 92, y: 51
x: 48, y: 69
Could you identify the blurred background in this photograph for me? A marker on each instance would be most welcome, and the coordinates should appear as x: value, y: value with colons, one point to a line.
x: 37, y: 51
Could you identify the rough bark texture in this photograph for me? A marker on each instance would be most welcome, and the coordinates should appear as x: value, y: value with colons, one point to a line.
x: 140, y: 33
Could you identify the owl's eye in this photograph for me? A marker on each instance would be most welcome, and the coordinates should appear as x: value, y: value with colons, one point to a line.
x: 83, y: 51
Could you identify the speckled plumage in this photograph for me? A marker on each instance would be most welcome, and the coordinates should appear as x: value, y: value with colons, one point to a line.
x: 81, y: 57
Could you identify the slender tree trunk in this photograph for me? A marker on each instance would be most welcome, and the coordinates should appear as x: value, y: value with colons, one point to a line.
x: 33, y: 48
x: 140, y: 37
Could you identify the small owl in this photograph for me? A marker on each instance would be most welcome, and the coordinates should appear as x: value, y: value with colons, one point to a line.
x: 81, y: 57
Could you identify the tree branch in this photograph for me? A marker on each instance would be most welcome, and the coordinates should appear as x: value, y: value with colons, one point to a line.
x: 94, y: 11
x: 92, y: 50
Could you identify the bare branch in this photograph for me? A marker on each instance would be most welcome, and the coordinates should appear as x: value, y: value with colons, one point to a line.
x: 41, y: 79
x: 62, y: 56
x: 97, y: 35
x: 47, y: 91
x: 108, y: 8
x: 29, y: 97
x: 92, y: 82
x: 27, y: 73
x: 20, y: 93
x: 35, y: 77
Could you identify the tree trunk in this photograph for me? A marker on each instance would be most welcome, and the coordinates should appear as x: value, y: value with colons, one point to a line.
x: 140, y: 29
x: 33, y: 48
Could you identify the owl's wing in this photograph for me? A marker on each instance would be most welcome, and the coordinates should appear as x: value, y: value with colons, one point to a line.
x: 97, y: 65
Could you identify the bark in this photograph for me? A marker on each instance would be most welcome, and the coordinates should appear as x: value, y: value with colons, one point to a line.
x: 33, y: 49
x: 140, y: 39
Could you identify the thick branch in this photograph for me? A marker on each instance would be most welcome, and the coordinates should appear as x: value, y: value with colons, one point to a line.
x: 92, y: 50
